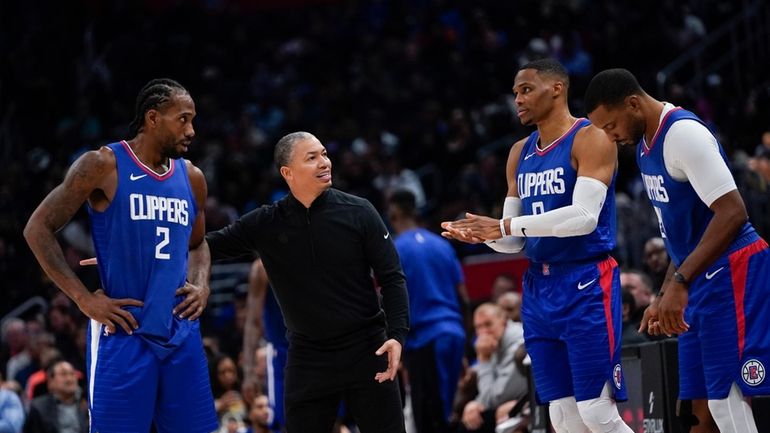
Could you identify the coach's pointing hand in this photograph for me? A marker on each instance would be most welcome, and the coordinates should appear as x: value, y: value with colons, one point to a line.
x: 393, y: 348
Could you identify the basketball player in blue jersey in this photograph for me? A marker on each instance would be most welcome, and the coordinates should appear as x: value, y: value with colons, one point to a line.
x: 715, y: 295
x: 434, y: 349
x: 145, y: 357
x: 560, y: 210
x: 263, y: 316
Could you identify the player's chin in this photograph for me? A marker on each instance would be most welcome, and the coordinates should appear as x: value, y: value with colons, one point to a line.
x: 177, y: 152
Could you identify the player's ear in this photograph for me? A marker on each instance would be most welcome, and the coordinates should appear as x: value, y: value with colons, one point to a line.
x: 633, y: 102
x: 151, y: 117
x: 558, y: 88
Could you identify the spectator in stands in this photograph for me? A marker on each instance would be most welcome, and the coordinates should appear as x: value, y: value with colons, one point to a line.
x: 225, y: 385
x: 61, y: 410
x: 760, y: 163
x: 11, y: 409
x: 639, y: 285
x: 39, y: 342
x: 510, y: 302
x: 656, y: 261
x: 259, y: 415
x: 14, y: 345
x: 63, y: 325
x: 395, y: 177
x: 503, y: 283
x: 433, y: 351
x: 37, y: 383
x: 630, y: 334
x: 498, y: 379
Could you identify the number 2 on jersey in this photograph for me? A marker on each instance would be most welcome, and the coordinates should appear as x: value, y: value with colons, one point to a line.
x: 164, y: 234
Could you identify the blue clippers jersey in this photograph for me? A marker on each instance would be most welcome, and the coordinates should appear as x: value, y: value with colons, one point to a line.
x: 433, y: 273
x: 272, y: 319
x: 546, y: 180
x: 676, y: 203
x: 141, y: 243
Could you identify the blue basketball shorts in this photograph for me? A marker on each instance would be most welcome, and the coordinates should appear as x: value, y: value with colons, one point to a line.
x: 130, y: 387
x: 729, y: 336
x: 572, y: 316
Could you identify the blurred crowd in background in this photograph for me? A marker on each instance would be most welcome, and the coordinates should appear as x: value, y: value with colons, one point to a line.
x: 405, y: 94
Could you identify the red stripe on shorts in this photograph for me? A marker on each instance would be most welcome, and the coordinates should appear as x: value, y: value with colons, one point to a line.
x: 739, y: 268
x: 606, y: 272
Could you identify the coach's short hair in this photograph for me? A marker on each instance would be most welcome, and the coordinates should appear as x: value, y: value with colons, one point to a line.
x: 610, y: 88
x: 549, y: 66
x: 285, y: 146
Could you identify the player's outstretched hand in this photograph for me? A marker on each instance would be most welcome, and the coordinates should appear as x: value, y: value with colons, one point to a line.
x: 393, y: 349
x: 195, y: 300
x: 452, y: 233
x: 472, y: 229
x: 110, y: 312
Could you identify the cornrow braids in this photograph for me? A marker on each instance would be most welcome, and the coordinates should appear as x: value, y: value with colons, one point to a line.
x: 153, y: 95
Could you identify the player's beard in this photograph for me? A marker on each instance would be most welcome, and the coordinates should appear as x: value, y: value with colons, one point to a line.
x: 637, y: 131
x: 172, y: 151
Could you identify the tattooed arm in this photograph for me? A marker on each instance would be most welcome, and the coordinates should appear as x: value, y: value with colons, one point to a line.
x: 92, y: 177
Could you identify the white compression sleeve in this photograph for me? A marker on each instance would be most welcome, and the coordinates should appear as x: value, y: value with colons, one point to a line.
x: 509, y: 244
x: 690, y: 153
x: 577, y: 219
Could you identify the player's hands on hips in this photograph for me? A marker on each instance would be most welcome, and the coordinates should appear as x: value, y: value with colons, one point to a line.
x: 110, y: 312
x: 393, y: 349
x: 671, y: 309
x: 195, y: 300
x: 472, y: 229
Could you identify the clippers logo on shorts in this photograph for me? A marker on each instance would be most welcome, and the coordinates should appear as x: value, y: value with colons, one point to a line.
x: 617, y: 376
x: 753, y: 372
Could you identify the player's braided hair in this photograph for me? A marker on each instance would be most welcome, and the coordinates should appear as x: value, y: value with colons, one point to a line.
x: 153, y: 95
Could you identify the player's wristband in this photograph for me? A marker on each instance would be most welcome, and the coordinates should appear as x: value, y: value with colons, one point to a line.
x: 502, y: 227
x: 681, y: 279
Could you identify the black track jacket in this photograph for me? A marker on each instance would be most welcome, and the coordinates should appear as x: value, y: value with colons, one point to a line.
x: 319, y: 261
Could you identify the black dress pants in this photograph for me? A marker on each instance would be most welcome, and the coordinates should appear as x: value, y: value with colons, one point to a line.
x: 317, y: 380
